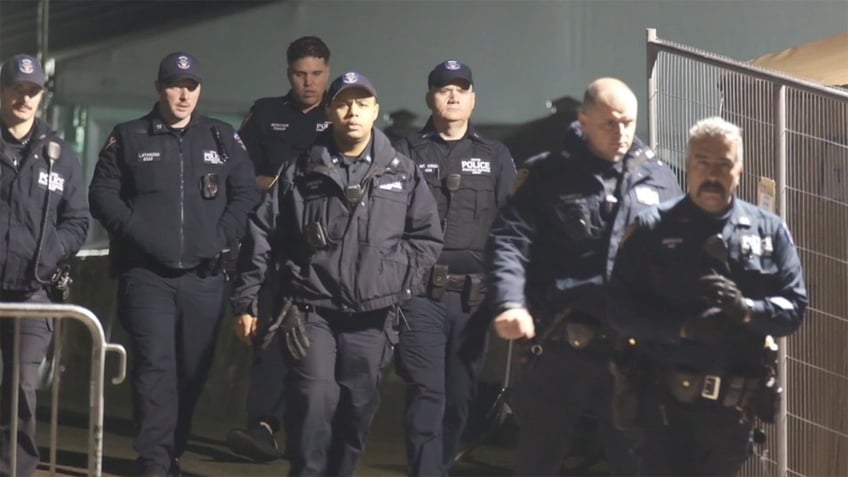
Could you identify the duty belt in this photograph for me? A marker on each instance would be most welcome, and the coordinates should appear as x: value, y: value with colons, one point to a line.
x: 470, y: 285
x: 728, y: 391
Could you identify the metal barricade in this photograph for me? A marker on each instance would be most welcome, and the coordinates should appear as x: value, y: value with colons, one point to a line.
x: 99, y: 348
x: 795, y: 135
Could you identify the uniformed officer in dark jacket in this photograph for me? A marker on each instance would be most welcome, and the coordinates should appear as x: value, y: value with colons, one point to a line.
x: 550, y: 254
x: 470, y: 177
x: 173, y: 189
x: 346, y: 232
x: 704, y: 284
x: 39, y: 173
x: 274, y: 132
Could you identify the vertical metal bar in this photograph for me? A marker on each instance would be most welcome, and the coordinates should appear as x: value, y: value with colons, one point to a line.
x: 95, y: 422
x: 54, y: 404
x: 43, y: 27
x: 14, y: 411
x: 652, y: 87
x: 780, y: 153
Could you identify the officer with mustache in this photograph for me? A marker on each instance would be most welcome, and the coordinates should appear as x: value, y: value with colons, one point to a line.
x: 45, y: 221
x: 704, y: 285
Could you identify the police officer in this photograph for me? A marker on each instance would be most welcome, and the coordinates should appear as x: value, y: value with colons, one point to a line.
x: 470, y: 177
x: 45, y: 221
x: 274, y: 131
x: 550, y: 253
x: 704, y: 284
x: 173, y: 189
x: 346, y: 231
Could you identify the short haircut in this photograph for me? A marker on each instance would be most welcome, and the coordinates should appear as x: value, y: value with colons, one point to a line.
x: 306, y: 46
x: 717, y: 127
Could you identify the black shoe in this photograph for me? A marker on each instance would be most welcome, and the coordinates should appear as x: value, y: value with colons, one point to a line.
x: 174, y: 471
x: 256, y: 443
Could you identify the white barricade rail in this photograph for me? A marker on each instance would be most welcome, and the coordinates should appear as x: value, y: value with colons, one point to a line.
x: 99, y: 348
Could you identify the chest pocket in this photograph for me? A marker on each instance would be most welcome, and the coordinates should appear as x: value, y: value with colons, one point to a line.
x: 386, y: 213
x: 759, y: 275
x: 470, y: 212
x: 150, y: 171
x: 321, y: 205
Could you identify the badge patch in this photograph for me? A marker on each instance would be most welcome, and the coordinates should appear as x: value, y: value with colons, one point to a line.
x: 476, y: 166
x: 648, y: 196
x: 751, y: 245
x: 148, y: 156
x: 279, y: 127
x: 54, y: 182
x: 212, y: 157
x: 26, y: 66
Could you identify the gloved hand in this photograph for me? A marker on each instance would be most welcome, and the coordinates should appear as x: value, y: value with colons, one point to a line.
x: 722, y: 296
x: 291, y: 323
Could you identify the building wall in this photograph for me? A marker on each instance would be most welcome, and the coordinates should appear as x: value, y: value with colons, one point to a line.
x: 523, y: 53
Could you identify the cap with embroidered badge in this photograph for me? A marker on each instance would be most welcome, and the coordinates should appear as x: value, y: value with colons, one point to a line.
x: 22, y: 69
x: 447, y: 72
x: 177, y: 66
x: 351, y: 79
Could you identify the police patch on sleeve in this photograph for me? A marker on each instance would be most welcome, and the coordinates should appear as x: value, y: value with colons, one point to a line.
x: 238, y: 140
x: 109, y: 143
x: 647, y: 195
x: 520, y: 178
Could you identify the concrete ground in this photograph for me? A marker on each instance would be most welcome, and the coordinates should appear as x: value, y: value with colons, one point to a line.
x: 208, y: 455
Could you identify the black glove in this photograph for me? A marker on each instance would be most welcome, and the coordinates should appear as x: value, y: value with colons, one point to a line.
x: 722, y: 296
x: 291, y: 323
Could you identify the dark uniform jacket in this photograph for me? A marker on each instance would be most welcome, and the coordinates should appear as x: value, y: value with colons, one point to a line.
x: 653, y: 287
x: 374, y: 249
x: 553, y: 245
x: 149, y: 185
x: 276, y: 131
x: 24, y: 190
x: 485, y: 171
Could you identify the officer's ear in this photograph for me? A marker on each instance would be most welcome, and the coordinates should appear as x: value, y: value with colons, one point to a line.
x: 428, y: 98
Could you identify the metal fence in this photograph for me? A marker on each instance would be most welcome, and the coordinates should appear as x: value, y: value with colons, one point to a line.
x: 99, y: 348
x: 795, y: 137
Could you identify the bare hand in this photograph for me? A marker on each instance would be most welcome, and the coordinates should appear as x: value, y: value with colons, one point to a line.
x: 244, y: 327
x: 515, y: 323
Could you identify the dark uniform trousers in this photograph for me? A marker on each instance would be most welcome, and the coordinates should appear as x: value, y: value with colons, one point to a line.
x: 36, y: 334
x: 265, y: 399
x: 440, y: 385
x: 702, y: 438
x: 555, y: 391
x: 333, y: 393
x: 173, y: 320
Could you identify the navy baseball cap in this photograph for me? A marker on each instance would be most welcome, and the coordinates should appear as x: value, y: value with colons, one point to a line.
x: 21, y: 69
x: 177, y: 66
x: 349, y: 80
x: 447, y: 72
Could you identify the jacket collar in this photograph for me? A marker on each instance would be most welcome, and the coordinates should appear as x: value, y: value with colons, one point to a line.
x: 157, y: 124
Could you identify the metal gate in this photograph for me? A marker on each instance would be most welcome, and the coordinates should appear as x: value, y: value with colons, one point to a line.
x: 99, y: 348
x: 795, y: 136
